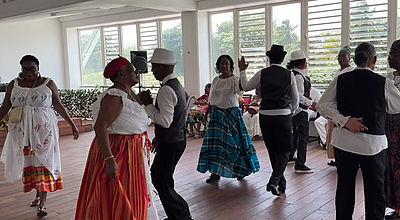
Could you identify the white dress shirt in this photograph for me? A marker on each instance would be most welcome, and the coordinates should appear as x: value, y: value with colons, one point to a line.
x: 395, y: 77
x: 255, y: 82
x: 166, y: 101
x: 347, y: 69
x: 344, y: 139
x: 300, y: 88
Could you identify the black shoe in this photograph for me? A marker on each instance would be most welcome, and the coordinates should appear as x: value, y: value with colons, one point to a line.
x: 332, y: 163
x: 302, y: 169
x: 240, y: 178
x: 392, y: 215
x: 292, y: 160
x: 281, y: 189
x: 274, y: 189
x: 213, y: 178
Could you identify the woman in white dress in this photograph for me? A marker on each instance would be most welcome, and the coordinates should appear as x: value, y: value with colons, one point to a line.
x: 32, y: 144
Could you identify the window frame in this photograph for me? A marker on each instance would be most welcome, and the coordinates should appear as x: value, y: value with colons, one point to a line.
x: 120, y: 43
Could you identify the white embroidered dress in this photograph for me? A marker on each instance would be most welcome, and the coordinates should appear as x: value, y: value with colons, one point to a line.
x: 38, y: 129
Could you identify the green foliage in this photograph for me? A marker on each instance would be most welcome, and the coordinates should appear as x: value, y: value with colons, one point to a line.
x: 172, y: 40
x: 94, y: 78
x: 222, y: 41
x: 78, y: 101
x: 283, y: 34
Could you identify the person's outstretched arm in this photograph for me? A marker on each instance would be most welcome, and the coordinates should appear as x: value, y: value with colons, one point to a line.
x: 60, y: 108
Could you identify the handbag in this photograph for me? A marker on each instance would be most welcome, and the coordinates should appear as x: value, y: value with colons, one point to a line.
x: 15, y: 114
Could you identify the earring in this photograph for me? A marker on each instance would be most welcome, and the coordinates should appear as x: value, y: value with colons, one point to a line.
x: 20, y: 76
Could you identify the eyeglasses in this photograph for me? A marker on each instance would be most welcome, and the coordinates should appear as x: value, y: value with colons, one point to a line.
x: 32, y: 69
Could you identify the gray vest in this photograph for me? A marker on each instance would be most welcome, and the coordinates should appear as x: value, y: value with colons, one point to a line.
x: 177, y: 130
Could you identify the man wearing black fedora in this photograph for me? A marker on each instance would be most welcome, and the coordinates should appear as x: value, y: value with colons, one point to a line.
x: 279, y: 100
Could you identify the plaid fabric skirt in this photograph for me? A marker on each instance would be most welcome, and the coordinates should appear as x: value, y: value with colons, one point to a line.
x: 392, y: 174
x: 36, y: 176
x: 227, y: 148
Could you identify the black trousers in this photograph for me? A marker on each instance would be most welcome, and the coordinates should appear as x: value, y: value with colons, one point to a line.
x: 300, y: 137
x: 277, y: 135
x: 162, y: 171
x: 373, y: 173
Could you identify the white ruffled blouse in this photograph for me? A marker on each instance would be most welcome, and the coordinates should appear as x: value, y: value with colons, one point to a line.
x: 133, y: 118
x: 224, y: 92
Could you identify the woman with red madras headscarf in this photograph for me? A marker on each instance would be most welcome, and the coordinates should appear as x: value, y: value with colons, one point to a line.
x: 116, y: 183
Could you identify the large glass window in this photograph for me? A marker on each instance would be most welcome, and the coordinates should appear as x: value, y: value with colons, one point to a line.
x: 368, y: 23
x: 148, y: 42
x: 252, y: 38
x: 398, y: 20
x: 222, y: 36
x: 324, y: 32
x: 129, y: 40
x: 286, y: 27
x: 172, y: 40
x: 91, y: 57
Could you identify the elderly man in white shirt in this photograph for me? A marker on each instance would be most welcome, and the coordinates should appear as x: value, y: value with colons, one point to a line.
x: 356, y: 102
x: 169, y: 116
x: 321, y: 123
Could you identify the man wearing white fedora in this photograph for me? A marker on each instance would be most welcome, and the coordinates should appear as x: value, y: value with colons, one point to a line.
x: 169, y: 116
x: 298, y: 65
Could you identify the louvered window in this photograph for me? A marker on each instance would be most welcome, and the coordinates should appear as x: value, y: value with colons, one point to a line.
x: 111, y: 43
x: 148, y: 41
x: 368, y: 23
x: 252, y: 38
x: 324, y: 33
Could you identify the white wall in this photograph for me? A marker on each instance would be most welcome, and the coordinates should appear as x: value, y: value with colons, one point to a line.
x: 41, y: 38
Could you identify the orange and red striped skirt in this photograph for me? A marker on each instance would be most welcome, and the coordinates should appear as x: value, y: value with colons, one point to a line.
x: 126, y: 196
x: 36, y: 176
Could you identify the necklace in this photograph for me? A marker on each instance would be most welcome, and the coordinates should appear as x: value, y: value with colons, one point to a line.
x: 126, y: 91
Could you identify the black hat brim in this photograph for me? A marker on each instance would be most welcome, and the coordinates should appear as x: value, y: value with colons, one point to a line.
x: 276, y: 54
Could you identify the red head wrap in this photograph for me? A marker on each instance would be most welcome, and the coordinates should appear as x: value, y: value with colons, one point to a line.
x: 113, y: 66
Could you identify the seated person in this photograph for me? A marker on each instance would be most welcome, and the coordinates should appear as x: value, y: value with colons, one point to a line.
x: 251, y: 116
x: 198, y: 112
x: 315, y: 96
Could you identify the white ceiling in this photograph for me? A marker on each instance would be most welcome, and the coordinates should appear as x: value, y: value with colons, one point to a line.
x: 15, y: 10
x: 67, y: 10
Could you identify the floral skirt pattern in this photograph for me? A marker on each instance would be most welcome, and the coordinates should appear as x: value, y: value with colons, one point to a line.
x: 392, y: 175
